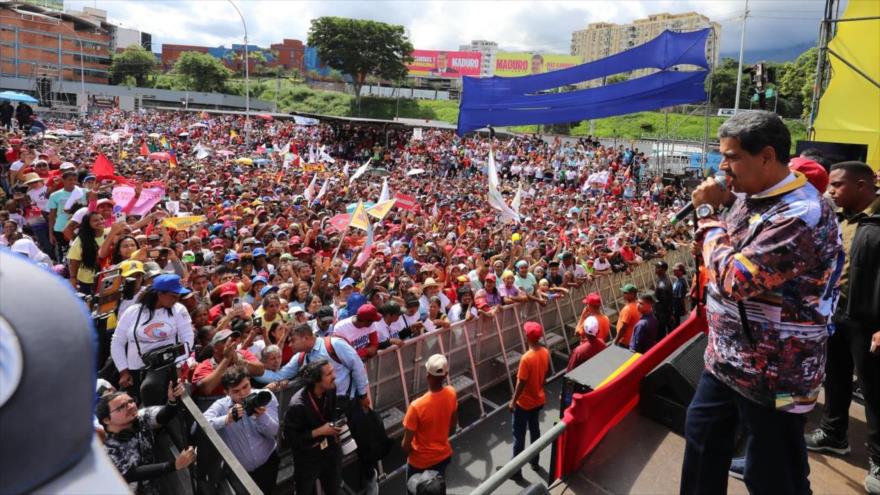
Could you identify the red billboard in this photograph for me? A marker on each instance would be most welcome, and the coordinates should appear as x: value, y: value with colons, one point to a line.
x: 445, y: 64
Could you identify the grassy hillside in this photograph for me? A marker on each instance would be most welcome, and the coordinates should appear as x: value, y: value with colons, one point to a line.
x: 301, y: 98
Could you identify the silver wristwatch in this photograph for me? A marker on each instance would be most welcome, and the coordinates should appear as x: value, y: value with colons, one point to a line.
x: 705, y: 210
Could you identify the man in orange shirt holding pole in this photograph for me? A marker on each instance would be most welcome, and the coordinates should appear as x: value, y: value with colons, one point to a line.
x: 429, y: 421
x: 629, y: 316
x: 528, y: 397
x: 593, y: 308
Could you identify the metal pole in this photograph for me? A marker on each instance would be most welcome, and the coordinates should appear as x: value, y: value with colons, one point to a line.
x: 247, y: 86
x: 739, y: 71
x: 824, y: 34
x: 506, y: 471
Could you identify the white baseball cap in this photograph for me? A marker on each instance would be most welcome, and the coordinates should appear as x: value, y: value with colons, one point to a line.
x: 591, y: 326
x: 437, y: 365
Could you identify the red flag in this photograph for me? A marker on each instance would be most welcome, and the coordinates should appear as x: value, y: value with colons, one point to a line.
x: 406, y: 202
x: 145, y: 151
x: 102, y: 167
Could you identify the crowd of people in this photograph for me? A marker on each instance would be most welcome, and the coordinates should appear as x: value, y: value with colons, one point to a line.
x: 236, y: 257
x: 241, y: 263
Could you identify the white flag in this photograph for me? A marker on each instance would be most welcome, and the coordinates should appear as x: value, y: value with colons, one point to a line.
x: 384, y: 195
x: 326, y: 156
x: 323, y: 190
x: 360, y: 171
x: 202, y: 152
x: 74, y: 197
x: 495, y: 199
x: 517, y: 199
x: 310, y: 191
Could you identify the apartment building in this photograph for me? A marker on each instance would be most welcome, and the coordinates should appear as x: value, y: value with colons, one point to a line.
x: 488, y: 50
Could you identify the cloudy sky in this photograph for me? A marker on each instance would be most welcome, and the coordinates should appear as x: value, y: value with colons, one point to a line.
x: 435, y: 24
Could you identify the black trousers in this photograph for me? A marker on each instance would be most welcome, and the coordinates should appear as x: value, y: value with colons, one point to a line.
x: 266, y: 476
x: 326, y: 467
x: 849, y: 349
x: 151, y: 386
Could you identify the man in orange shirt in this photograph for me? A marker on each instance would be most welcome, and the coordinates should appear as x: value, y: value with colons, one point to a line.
x: 593, y: 308
x: 629, y: 316
x: 528, y: 398
x: 429, y: 421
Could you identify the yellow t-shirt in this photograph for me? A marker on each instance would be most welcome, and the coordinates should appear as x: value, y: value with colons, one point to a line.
x: 84, y: 274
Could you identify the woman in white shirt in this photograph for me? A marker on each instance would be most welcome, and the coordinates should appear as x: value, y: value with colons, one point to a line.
x: 156, y: 321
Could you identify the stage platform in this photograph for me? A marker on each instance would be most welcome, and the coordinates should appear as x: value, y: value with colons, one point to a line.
x: 640, y: 456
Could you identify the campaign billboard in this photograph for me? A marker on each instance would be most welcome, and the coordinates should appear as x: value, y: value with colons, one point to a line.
x: 445, y: 64
x: 514, y: 64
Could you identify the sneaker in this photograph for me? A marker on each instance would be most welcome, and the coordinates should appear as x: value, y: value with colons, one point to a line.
x: 819, y: 441
x: 737, y: 468
x: 872, y: 480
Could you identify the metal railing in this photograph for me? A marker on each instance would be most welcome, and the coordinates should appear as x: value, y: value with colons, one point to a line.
x: 482, y: 353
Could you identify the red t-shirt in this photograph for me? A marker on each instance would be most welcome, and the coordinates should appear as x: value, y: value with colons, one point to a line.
x: 206, y: 367
x: 585, y: 351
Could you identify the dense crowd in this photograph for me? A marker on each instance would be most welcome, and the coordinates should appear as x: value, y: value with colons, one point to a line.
x: 237, y: 244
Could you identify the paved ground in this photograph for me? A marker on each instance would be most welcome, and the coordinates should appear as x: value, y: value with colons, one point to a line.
x: 640, y: 456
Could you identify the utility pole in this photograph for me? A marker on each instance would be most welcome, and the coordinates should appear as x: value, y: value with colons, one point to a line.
x: 739, y: 71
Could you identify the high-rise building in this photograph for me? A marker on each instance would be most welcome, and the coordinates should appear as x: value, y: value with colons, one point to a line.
x: 601, y: 39
x: 487, y: 49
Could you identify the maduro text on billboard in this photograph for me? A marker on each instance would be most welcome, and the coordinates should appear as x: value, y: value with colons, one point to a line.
x: 512, y: 64
x: 447, y: 64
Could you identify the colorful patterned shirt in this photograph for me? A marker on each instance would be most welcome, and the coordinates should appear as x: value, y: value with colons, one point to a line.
x: 777, y: 255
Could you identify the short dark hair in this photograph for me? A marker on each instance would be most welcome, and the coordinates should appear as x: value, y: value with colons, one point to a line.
x: 859, y: 170
x: 756, y: 130
x: 303, y: 329
x: 233, y: 376
x: 102, y: 410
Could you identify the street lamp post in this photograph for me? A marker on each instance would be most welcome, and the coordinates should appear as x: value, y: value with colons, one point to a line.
x: 247, y: 86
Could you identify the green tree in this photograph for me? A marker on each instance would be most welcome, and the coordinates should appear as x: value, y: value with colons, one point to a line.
x: 616, y: 78
x: 132, y: 63
x: 361, y: 48
x: 723, y: 85
x: 202, y: 72
x: 795, y: 82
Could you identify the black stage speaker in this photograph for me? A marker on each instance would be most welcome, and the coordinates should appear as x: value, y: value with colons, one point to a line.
x: 591, y: 373
x: 836, y: 152
x: 668, y: 389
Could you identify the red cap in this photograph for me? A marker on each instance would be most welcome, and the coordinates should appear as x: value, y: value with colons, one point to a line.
x: 593, y: 299
x: 534, y: 330
x: 815, y: 173
x: 217, y: 243
x: 228, y: 289
x: 491, y: 276
x: 368, y: 312
x: 295, y: 240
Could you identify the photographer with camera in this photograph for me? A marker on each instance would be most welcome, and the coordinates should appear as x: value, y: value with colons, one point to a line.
x: 130, y: 438
x: 312, y: 427
x: 247, y: 420
x: 151, y: 336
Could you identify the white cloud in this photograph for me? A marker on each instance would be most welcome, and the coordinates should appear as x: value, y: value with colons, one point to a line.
x: 448, y: 24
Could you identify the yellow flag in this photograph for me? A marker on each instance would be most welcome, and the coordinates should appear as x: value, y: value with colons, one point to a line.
x: 181, y: 223
x: 232, y: 133
x: 380, y: 210
x: 123, y: 155
x: 359, y: 218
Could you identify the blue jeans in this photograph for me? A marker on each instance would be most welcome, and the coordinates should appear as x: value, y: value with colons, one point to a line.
x: 776, y: 456
x: 521, y: 419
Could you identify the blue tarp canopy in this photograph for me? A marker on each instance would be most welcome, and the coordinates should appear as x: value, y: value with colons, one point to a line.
x: 513, y: 100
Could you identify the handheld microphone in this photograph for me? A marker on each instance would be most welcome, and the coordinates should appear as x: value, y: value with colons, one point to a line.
x: 686, y: 210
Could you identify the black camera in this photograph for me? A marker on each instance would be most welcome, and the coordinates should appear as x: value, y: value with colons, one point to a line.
x: 258, y: 321
x: 161, y: 357
x: 239, y: 325
x: 260, y: 398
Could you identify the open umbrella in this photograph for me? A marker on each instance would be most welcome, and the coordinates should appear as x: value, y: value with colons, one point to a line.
x: 244, y: 161
x: 261, y: 161
x: 379, y: 172
x: 225, y: 153
x: 154, y: 135
x: 263, y: 116
x: 13, y: 96
x: 198, y: 124
x: 415, y: 171
x: 159, y: 155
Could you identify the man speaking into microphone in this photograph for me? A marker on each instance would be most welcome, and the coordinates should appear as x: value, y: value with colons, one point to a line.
x: 773, y: 261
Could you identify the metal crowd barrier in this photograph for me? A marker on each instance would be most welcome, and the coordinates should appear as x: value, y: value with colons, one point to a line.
x: 482, y: 353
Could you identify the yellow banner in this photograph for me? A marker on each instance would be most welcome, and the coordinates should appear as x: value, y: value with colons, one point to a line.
x: 359, y: 218
x: 181, y: 223
x: 380, y: 210
x: 314, y: 167
x: 514, y: 64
